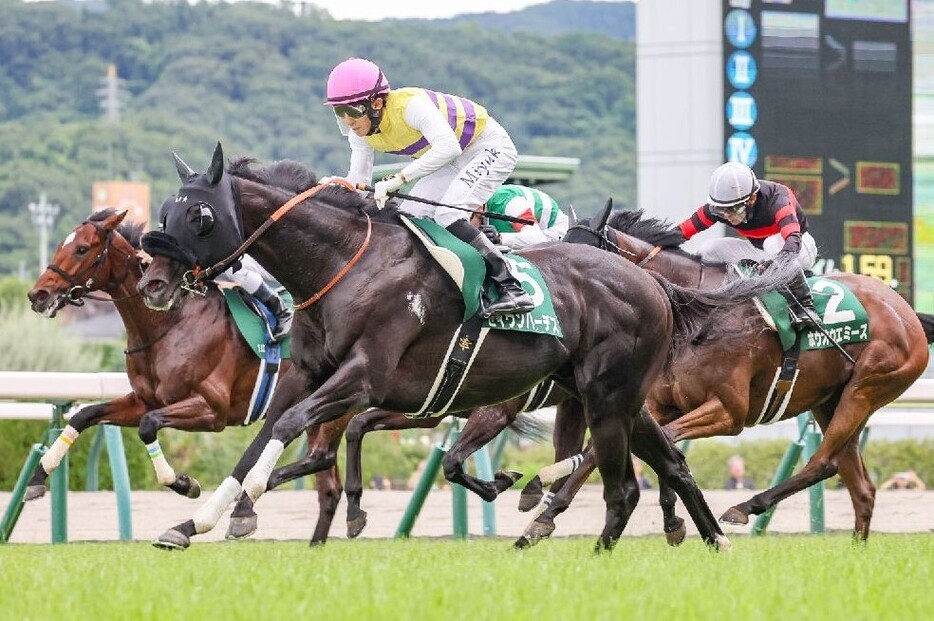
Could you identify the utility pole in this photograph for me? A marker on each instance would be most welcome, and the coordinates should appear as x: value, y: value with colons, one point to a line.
x: 110, y: 94
x: 43, y: 217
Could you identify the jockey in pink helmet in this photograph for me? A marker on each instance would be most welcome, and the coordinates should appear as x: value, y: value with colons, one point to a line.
x: 461, y: 155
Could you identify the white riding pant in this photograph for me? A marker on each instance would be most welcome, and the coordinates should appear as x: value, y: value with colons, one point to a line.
x: 467, y: 181
x: 249, y: 276
x: 733, y: 249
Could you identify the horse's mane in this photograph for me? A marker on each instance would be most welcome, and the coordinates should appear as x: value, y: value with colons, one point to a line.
x: 131, y: 231
x: 661, y: 233
x: 295, y: 177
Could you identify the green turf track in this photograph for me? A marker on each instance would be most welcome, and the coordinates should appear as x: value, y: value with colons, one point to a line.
x: 777, y: 577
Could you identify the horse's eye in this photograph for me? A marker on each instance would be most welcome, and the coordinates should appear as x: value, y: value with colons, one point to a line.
x: 82, y: 250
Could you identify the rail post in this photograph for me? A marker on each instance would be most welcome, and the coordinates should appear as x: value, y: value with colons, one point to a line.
x: 11, y: 515
x: 58, y: 480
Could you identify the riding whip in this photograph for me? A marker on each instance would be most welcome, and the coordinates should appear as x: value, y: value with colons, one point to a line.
x: 419, y: 199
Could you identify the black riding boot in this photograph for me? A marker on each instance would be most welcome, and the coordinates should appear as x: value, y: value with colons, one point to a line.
x: 278, y: 308
x: 512, y: 298
x: 800, y: 303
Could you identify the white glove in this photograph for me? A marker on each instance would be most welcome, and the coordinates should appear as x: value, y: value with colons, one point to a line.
x: 383, y: 188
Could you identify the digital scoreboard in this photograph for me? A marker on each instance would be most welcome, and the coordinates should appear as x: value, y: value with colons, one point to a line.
x: 817, y: 96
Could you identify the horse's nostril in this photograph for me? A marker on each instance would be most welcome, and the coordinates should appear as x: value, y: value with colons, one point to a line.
x: 37, y: 296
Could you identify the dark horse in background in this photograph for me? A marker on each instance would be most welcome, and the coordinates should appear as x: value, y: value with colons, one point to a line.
x: 718, y: 385
x: 189, y: 369
x: 359, y: 342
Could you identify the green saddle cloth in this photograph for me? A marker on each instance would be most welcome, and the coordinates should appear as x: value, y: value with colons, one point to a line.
x: 252, y: 328
x: 468, y: 270
x: 841, y: 313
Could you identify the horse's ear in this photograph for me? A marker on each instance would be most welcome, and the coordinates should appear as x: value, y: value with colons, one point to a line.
x: 216, y: 170
x: 112, y: 221
x: 185, y: 171
x: 572, y: 215
x: 599, y: 221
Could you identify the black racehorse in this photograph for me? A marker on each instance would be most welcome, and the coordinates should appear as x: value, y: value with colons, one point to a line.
x: 360, y: 339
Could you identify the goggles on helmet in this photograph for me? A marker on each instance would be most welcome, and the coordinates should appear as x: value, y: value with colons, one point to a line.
x: 354, y: 111
x: 725, y: 211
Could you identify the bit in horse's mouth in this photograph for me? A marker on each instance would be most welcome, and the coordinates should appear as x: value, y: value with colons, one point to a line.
x: 157, y: 307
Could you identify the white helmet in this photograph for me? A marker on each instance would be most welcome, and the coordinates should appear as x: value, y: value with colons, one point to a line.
x: 731, y: 185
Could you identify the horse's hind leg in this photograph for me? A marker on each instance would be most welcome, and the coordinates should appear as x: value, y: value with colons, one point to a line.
x: 328, y: 483
x: 652, y: 445
x: 360, y: 425
x: 483, y: 425
x: 849, y: 417
x: 853, y: 471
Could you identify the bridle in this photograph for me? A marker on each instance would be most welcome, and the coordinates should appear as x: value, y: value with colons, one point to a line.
x: 76, y: 294
x: 604, y: 242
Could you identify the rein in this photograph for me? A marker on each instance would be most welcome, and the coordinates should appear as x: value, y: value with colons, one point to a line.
x: 134, y: 350
x: 284, y: 209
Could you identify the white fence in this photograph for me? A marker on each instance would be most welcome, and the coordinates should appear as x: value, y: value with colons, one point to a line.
x: 30, y: 396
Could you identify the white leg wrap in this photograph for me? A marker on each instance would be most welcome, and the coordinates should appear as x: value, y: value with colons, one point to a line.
x: 53, y: 457
x: 550, y: 474
x: 164, y: 472
x: 256, y: 479
x: 544, y: 504
x: 210, y: 512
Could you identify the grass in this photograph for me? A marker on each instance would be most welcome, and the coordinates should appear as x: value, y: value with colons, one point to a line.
x: 776, y: 577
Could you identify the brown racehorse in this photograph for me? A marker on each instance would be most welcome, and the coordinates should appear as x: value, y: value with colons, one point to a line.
x: 189, y: 369
x: 359, y: 342
x: 701, y: 394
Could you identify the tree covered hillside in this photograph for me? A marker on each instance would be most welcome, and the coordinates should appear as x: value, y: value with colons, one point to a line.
x: 252, y: 76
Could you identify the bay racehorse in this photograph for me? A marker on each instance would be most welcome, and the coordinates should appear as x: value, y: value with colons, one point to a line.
x: 189, y: 369
x: 719, y: 385
x: 377, y: 317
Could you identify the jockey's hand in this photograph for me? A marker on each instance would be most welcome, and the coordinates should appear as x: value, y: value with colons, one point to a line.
x: 384, y: 188
x: 492, y: 234
x: 765, y: 265
x: 327, y: 180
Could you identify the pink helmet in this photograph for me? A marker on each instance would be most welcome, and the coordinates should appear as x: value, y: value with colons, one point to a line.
x: 355, y: 79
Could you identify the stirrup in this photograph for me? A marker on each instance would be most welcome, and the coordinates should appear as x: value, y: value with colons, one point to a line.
x: 804, y: 318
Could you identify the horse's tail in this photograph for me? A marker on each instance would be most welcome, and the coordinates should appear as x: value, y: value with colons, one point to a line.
x: 704, y: 315
x: 532, y: 427
x: 927, y: 322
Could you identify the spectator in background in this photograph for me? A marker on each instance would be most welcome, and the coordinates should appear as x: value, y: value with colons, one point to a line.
x: 644, y: 482
x: 738, y: 479
x: 908, y: 479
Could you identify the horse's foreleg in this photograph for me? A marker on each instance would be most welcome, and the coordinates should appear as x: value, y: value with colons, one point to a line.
x: 556, y: 503
x: 708, y: 420
x: 125, y: 411
x: 361, y: 424
x: 328, y: 484
x: 568, y: 438
x: 323, y: 442
x: 483, y: 425
x: 291, y: 388
x: 192, y: 414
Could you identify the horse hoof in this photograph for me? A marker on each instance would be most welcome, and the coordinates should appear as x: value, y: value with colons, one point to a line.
x: 522, y: 543
x: 676, y: 535
x: 722, y: 544
x: 33, y: 492
x: 172, y: 540
x: 536, y: 531
x: 241, y: 527
x: 504, y: 479
x: 195, y: 490
x: 356, y: 525
x: 734, y: 516
x: 531, y: 494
